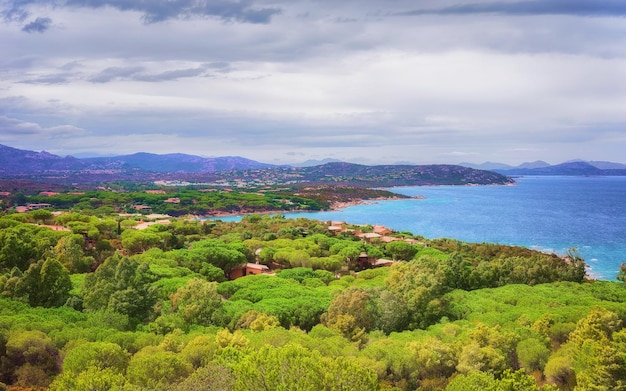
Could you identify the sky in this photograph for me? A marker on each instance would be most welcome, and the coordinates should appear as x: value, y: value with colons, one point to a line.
x: 284, y: 81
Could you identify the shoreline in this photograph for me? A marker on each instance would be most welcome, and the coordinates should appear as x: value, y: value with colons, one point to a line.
x: 335, y: 206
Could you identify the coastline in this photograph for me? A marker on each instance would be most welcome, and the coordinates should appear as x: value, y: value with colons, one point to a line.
x: 334, y: 207
x: 339, y: 205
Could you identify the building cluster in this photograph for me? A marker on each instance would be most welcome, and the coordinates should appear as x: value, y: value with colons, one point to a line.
x: 378, y: 233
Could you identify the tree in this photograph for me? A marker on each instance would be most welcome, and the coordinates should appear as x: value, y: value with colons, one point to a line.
x: 40, y: 215
x: 121, y: 285
x: 55, y: 282
x: 417, y: 287
x: 213, y: 377
x: 622, y: 273
x: 45, y: 284
x: 196, y: 301
x: 17, y: 247
x: 157, y: 370
x: 69, y: 251
x: 433, y: 358
x: 135, y: 241
x: 357, y: 303
x: 32, y: 359
x: 294, y: 367
x: 91, y: 379
x: 532, y: 354
x: 597, y: 359
x: 509, y: 381
x: 577, y: 271
x: 401, y: 250
x: 98, y: 355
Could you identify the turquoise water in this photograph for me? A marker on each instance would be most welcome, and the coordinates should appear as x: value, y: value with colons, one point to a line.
x: 545, y: 213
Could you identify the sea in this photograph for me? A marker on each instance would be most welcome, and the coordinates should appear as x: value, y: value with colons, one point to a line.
x: 546, y: 213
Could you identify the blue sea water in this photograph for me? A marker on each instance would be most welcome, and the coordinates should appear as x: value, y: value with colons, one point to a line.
x: 546, y: 213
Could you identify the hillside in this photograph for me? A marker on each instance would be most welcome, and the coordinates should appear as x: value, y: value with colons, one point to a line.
x: 147, y: 167
x: 112, y: 303
x: 571, y: 168
x: 17, y: 162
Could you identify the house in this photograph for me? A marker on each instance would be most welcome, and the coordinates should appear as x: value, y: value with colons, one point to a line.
x: 364, y: 261
x: 155, y: 191
x: 369, y: 236
x: 335, y: 229
x: 381, y: 230
x: 37, y: 206
x: 247, y: 269
x: 145, y: 224
x: 172, y: 200
x: 382, y: 262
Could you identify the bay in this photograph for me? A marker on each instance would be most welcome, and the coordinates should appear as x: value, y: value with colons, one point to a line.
x: 550, y: 214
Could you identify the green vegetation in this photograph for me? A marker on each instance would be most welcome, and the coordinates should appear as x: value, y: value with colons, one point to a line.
x: 192, y: 200
x: 100, y: 305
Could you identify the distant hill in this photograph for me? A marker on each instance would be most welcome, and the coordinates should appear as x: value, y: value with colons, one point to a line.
x: 22, y: 162
x: 539, y: 167
x: 177, y: 162
x: 535, y: 164
x: 311, y: 163
x: 487, y: 166
x: 502, y: 166
x: 400, y: 175
x: 17, y: 161
x: 608, y: 165
x: 576, y: 168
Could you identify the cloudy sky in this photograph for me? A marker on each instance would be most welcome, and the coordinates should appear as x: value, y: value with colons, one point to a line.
x: 281, y: 81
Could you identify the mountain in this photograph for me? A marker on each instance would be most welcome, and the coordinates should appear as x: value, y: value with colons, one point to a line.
x: 608, y: 165
x: 539, y: 167
x: 16, y: 161
x: 487, y: 166
x: 574, y: 168
x: 535, y: 164
x: 22, y: 162
x: 312, y: 162
x: 502, y: 166
x: 400, y: 175
x: 176, y: 162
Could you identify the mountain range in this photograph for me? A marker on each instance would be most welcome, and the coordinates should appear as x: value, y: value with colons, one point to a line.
x: 540, y: 166
x: 576, y: 168
x: 20, y: 162
x: 17, y: 163
x: 146, y: 167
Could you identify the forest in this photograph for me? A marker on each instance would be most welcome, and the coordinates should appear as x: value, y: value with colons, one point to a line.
x: 133, y: 198
x: 90, y: 302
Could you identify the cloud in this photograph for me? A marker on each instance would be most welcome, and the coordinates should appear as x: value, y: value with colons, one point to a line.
x: 114, y: 73
x: 159, y: 10
x: 171, y: 75
x: 340, y: 77
x: 586, y: 8
x: 15, y: 129
x: 137, y: 73
x: 57, y: 78
x: 38, y: 25
x: 14, y: 14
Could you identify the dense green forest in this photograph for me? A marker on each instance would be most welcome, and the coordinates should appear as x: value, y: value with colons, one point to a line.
x: 89, y: 302
x: 131, y: 198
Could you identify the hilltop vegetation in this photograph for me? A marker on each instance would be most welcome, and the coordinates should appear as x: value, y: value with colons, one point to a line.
x: 129, y: 198
x: 99, y: 305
